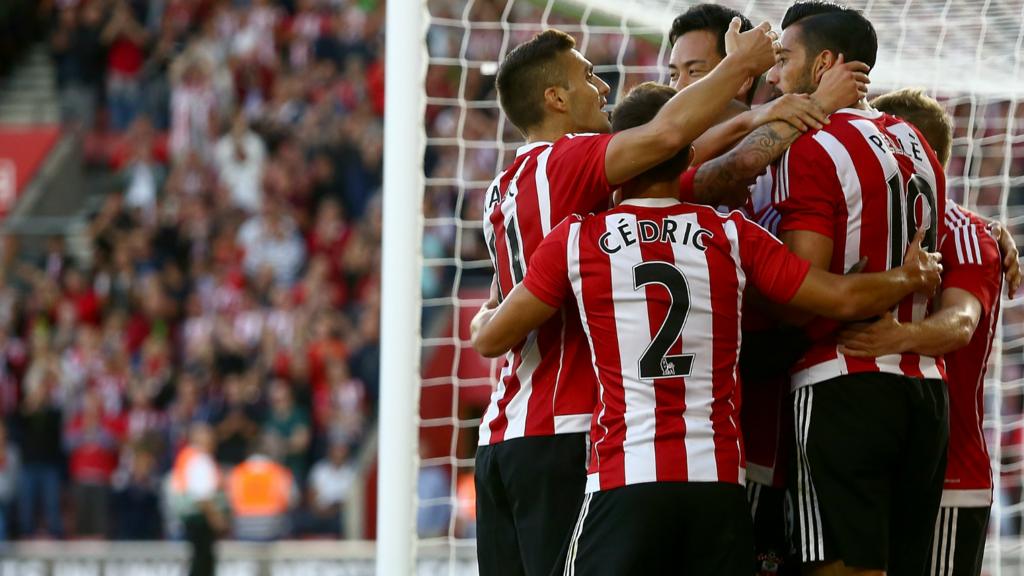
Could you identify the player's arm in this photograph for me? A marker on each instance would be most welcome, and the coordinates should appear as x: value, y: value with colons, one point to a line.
x: 693, y: 110
x: 496, y: 330
x: 945, y: 331
x: 724, y: 180
x: 1011, y: 256
x: 798, y: 110
x: 858, y: 296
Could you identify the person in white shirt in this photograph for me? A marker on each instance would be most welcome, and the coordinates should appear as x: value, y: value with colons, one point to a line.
x: 331, y: 483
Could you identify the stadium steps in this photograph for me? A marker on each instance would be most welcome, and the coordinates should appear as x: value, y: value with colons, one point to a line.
x: 29, y: 94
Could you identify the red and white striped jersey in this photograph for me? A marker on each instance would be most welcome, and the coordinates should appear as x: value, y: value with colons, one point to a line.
x: 547, y: 383
x: 867, y: 181
x: 971, y: 262
x: 658, y: 285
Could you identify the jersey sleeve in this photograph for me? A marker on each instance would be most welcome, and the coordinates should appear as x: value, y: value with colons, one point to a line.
x: 807, y: 189
x: 971, y: 262
x: 771, y: 267
x: 547, y: 276
x: 686, y: 189
x: 576, y: 174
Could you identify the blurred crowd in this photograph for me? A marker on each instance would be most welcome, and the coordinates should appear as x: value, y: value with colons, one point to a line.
x: 231, y: 275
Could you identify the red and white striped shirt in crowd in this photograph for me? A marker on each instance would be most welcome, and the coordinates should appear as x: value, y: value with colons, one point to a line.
x: 659, y: 285
x: 546, y: 385
x: 971, y: 262
x: 867, y: 181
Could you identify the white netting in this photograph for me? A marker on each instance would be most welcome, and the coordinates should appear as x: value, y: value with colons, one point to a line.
x: 967, y: 53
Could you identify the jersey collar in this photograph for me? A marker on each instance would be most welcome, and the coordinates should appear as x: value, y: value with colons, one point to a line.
x: 870, y: 113
x: 527, y: 147
x: 650, y: 202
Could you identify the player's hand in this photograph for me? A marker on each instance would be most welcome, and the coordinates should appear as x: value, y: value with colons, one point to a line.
x: 1011, y: 257
x: 886, y: 336
x: 752, y: 48
x: 842, y: 85
x: 923, y: 268
x: 799, y: 110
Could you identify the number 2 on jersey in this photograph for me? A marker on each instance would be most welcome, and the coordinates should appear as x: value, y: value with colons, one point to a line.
x: 655, y: 362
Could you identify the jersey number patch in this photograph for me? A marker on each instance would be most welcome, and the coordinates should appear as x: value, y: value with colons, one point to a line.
x: 655, y: 362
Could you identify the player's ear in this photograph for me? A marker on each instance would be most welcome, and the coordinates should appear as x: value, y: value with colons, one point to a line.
x: 556, y: 98
x: 825, y: 60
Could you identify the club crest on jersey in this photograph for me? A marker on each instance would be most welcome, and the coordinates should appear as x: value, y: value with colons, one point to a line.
x: 625, y: 233
x: 667, y: 368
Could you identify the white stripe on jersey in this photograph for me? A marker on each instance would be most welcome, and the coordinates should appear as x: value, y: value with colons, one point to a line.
x: 847, y: 174
x: 701, y: 463
x: 908, y: 139
x: 890, y: 168
x: 741, y: 281
x: 955, y: 217
x: 630, y: 305
x: 544, y: 196
x: 515, y: 410
x: 573, y: 267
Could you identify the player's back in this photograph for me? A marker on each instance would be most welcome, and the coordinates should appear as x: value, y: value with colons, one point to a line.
x: 546, y: 385
x: 867, y: 181
x: 659, y: 286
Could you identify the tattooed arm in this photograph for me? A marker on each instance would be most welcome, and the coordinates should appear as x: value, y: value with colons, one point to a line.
x: 725, y: 180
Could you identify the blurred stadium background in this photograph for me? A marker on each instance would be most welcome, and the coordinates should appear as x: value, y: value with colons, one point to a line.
x: 191, y: 203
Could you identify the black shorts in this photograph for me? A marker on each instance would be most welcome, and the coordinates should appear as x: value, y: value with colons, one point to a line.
x: 958, y: 546
x: 528, y: 495
x: 692, y: 528
x: 871, y: 453
x: 772, y: 512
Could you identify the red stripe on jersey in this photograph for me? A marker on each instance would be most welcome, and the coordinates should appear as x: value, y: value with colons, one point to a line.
x: 669, y: 452
x: 609, y: 433
x: 725, y: 294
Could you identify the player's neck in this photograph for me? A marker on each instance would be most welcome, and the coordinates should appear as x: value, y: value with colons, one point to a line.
x: 669, y: 189
x: 553, y: 128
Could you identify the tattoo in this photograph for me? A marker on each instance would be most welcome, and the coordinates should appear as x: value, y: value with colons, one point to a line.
x: 731, y: 173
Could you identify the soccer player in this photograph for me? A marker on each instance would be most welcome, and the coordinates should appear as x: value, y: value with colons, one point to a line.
x: 962, y: 330
x: 658, y: 284
x: 871, y: 432
x: 531, y: 460
x: 697, y: 37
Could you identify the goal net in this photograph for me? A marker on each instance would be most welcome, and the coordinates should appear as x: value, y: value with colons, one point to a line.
x: 967, y: 53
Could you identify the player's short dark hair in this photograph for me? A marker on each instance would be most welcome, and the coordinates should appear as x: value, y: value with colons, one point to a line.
x: 527, y: 71
x: 639, y: 107
x: 829, y: 26
x: 925, y: 113
x: 710, y: 17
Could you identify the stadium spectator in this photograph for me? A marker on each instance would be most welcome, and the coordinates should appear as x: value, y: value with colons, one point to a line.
x: 239, y: 156
x: 38, y: 424
x: 236, y: 422
x: 330, y: 486
x: 288, y: 424
x: 261, y: 493
x: 125, y: 39
x: 194, y: 488
x: 9, y: 466
x: 92, y: 443
x: 136, y: 497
